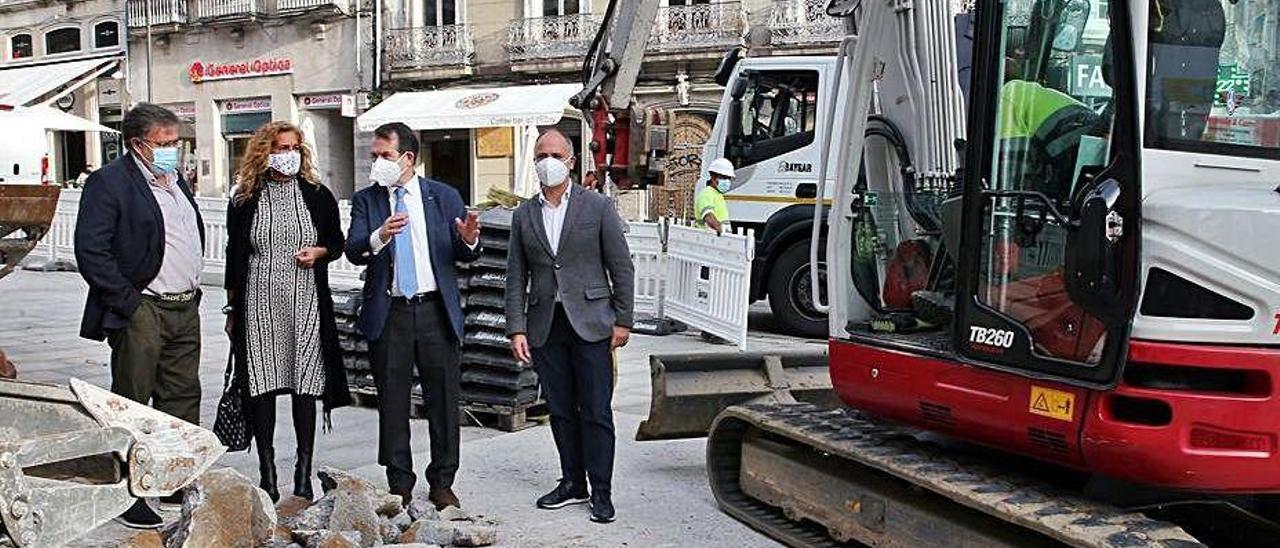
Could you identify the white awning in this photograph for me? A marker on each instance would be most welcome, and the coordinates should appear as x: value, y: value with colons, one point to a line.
x: 23, y: 85
x: 50, y: 119
x: 473, y: 107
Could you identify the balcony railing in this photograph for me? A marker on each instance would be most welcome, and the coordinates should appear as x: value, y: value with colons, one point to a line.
x: 161, y: 12
x: 551, y: 37
x: 803, y: 22
x: 700, y: 26
x: 426, y: 47
x: 283, y: 6
x: 217, y: 9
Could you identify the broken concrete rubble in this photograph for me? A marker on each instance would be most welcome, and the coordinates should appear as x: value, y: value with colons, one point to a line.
x: 421, y: 508
x: 223, y: 508
x: 450, y: 533
x: 335, y: 539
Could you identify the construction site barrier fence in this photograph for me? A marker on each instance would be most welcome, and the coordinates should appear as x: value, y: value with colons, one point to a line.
x: 683, y: 272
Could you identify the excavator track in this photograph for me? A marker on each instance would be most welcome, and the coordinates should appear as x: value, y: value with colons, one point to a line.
x: 808, y: 476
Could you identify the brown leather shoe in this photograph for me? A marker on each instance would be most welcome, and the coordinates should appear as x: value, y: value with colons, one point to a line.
x: 443, y: 498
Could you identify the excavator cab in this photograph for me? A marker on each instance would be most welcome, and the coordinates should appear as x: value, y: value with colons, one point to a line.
x: 1005, y: 253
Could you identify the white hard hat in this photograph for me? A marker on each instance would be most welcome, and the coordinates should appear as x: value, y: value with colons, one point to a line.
x: 722, y: 167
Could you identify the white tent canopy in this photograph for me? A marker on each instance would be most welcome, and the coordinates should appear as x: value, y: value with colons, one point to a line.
x: 50, y: 119
x: 22, y: 85
x: 461, y: 108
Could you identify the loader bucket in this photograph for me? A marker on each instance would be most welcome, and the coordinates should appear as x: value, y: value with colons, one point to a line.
x: 73, y: 458
x: 689, y: 390
x: 26, y: 211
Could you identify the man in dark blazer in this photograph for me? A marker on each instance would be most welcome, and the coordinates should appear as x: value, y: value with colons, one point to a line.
x: 569, y: 301
x: 140, y: 245
x: 410, y: 231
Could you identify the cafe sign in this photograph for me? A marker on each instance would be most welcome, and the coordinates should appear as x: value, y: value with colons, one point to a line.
x: 201, y: 71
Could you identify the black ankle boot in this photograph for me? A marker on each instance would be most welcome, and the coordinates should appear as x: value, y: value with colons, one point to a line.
x: 304, y: 429
x: 267, y: 472
x: 302, y: 476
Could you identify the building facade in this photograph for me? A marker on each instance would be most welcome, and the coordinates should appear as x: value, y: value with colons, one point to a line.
x: 436, y: 44
x: 227, y: 67
x: 69, y: 55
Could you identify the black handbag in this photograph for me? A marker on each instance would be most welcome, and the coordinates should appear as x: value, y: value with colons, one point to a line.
x: 232, y: 423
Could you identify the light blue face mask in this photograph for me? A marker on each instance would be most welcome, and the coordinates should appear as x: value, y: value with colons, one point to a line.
x: 724, y: 185
x: 165, y: 159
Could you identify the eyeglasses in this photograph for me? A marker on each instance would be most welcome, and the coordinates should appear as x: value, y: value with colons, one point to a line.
x: 151, y: 144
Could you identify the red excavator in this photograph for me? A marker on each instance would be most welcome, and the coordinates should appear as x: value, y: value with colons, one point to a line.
x: 1053, y: 311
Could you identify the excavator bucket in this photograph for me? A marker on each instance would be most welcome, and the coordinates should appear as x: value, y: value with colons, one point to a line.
x: 689, y: 390
x: 73, y: 458
x: 26, y: 211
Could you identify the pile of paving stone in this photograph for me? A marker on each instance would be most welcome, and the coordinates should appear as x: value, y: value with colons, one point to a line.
x: 225, y: 509
x: 355, y: 349
x: 490, y: 375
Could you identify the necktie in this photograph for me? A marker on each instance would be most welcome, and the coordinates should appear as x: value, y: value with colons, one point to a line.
x: 406, y: 272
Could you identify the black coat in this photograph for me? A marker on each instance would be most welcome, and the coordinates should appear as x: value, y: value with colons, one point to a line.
x: 119, y: 243
x: 324, y: 215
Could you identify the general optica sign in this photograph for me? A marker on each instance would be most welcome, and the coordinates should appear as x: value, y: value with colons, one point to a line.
x: 201, y: 71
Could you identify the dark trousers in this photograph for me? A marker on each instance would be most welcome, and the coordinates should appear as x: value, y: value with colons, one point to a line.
x: 156, y: 358
x: 417, y: 334
x: 577, y: 383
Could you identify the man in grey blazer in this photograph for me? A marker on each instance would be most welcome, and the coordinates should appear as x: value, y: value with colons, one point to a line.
x: 570, y: 295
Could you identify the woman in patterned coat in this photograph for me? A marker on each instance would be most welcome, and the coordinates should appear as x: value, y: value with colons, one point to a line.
x: 283, y: 230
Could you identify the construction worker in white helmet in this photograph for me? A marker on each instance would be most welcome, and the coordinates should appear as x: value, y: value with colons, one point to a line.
x: 710, y: 207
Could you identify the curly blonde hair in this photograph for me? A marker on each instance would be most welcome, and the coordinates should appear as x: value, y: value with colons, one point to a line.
x: 253, y: 165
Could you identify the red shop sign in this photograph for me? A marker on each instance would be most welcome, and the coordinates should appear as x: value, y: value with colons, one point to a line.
x: 201, y: 71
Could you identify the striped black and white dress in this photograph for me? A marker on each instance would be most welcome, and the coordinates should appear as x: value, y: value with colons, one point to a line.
x: 282, y: 315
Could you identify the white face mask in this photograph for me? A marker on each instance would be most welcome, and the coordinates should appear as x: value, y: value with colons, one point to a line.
x: 552, y: 172
x: 386, y: 172
x: 285, y: 163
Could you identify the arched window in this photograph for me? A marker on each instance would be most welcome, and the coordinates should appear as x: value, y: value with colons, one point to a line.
x: 106, y: 35
x: 20, y: 45
x: 64, y: 40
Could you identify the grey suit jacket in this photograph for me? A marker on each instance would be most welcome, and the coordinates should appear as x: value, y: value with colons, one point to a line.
x: 592, y: 273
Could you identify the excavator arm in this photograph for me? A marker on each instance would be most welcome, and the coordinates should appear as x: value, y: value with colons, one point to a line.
x: 609, y: 74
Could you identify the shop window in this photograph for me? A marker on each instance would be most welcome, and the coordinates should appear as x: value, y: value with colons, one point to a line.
x: 244, y: 123
x: 20, y: 46
x: 64, y: 40
x: 106, y: 34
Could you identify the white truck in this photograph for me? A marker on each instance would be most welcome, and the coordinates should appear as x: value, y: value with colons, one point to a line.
x: 769, y: 125
x: 24, y: 151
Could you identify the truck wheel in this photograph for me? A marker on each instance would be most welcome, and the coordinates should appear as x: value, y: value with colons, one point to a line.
x: 791, y: 293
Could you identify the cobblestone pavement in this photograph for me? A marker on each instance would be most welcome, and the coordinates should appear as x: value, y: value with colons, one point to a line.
x: 660, y: 488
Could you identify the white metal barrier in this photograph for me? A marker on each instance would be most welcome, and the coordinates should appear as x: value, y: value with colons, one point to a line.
x: 685, y: 273
x: 709, y: 280
x: 59, y: 244
x: 645, y: 240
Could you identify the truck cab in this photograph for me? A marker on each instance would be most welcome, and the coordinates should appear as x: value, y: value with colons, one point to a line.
x: 24, y: 152
x: 770, y: 126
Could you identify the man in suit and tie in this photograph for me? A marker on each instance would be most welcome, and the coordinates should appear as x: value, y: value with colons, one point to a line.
x: 140, y: 247
x: 569, y: 301
x: 410, y: 231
